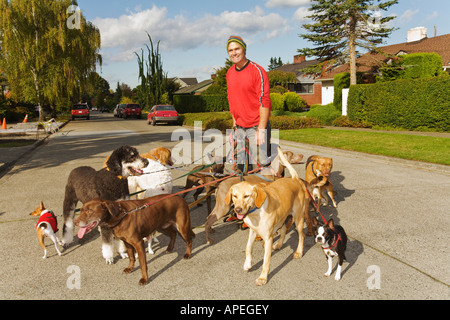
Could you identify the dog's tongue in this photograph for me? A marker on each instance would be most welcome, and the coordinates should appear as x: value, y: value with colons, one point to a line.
x: 82, y: 232
x: 240, y: 216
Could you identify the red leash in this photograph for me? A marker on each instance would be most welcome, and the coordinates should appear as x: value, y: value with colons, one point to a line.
x: 316, y: 206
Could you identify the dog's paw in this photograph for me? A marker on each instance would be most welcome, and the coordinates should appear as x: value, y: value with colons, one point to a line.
x: 247, y: 265
x: 260, y: 281
x: 123, y: 255
x: 127, y: 270
x: 297, y: 255
x: 327, y: 274
x: 143, y: 281
x: 337, y: 277
x: 109, y: 260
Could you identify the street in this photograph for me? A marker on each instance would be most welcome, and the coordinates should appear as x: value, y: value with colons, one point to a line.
x: 395, y: 213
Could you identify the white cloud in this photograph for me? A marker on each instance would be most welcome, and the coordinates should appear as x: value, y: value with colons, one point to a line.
x: 301, y: 14
x: 408, y: 15
x: 286, y: 3
x: 124, y: 35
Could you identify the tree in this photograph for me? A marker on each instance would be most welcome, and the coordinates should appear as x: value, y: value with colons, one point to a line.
x: 340, y: 26
x: 153, y: 79
x: 274, y: 63
x: 44, y: 60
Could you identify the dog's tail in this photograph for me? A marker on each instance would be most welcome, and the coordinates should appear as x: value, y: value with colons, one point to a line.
x: 286, y: 163
x: 291, y: 169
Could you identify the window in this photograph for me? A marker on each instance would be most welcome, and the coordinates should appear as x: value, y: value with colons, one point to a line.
x: 301, y: 87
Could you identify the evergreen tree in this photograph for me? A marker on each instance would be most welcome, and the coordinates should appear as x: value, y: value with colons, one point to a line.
x: 274, y: 63
x: 340, y: 26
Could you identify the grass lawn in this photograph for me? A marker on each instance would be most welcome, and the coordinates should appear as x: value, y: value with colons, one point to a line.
x: 412, y: 147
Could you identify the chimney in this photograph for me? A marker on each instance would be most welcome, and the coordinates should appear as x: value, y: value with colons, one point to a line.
x: 299, y: 58
x: 417, y: 34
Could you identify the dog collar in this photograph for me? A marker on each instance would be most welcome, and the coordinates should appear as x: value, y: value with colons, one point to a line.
x: 119, y: 176
x: 334, y: 245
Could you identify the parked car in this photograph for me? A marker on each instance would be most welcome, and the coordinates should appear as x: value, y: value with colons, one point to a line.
x: 129, y: 110
x: 116, y: 111
x: 162, y: 113
x: 80, y: 110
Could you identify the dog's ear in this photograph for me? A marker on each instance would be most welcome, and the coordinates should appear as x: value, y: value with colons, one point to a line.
x: 113, y: 163
x: 112, y: 207
x: 261, y: 196
x: 331, y: 223
x: 228, y: 196
x: 315, y: 222
x: 41, y: 206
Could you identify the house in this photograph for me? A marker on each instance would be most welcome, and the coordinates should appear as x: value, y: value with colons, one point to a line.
x: 184, y: 82
x: 370, y: 63
x: 306, y: 86
x: 195, y: 89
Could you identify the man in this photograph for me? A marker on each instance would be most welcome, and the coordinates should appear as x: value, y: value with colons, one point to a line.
x: 250, y: 105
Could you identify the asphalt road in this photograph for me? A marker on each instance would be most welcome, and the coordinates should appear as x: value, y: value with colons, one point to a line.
x: 395, y: 212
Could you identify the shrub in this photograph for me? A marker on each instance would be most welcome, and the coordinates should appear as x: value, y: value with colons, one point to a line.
x: 409, y: 104
x: 289, y: 123
x: 294, y: 102
x: 200, y: 103
x: 344, y: 121
x: 277, y: 101
x: 326, y: 114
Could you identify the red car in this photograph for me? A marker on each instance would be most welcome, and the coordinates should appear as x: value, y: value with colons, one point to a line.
x: 80, y: 110
x: 163, y: 113
x: 130, y: 110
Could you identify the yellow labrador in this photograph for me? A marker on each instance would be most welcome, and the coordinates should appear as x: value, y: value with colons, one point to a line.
x: 265, y: 208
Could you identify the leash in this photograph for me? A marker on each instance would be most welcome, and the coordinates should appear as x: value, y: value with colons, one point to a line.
x: 148, y: 204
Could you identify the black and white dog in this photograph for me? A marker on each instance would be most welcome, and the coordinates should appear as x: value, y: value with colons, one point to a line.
x: 334, y: 243
x: 110, y: 183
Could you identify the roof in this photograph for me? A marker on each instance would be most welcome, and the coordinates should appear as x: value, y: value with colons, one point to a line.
x: 370, y: 62
x: 185, y: 81
x: 196, y: 88
x: 296, y: 67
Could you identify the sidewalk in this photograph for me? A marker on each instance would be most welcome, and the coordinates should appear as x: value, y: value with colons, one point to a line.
x: 21, y: 131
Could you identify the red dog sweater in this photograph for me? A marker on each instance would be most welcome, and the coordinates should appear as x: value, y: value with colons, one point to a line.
x: 48, y: 216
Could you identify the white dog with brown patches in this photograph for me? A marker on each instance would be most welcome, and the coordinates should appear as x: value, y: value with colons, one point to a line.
x: 265, y: 208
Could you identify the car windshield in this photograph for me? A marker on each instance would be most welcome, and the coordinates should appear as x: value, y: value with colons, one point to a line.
x: 165, y: 108
x: 80, y: 106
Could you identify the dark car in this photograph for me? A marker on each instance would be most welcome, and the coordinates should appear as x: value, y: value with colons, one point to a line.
x: 80, y: 110
x: 163, y: 113
x: 129, y: 110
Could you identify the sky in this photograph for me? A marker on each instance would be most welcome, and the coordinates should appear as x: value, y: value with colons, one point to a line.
x: 193, y: 34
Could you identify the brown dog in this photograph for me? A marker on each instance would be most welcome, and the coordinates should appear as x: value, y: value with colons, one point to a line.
x: 265, y: 208
x: 168, y: 215
x: 221, y: 209
x: 201, y: 177
x: 317, y: 173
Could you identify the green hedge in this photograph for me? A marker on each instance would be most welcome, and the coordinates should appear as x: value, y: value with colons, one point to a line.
x: 412, y: 104
x: 200, y: 103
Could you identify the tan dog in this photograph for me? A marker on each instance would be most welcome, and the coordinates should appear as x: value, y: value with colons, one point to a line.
x: 265, y: 208
x: 317, y: 173
x: 161, y: 154
x: 221, y: 209
x: 168, y: 215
